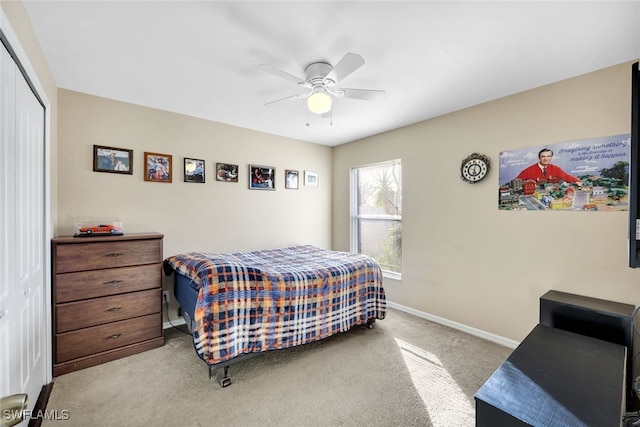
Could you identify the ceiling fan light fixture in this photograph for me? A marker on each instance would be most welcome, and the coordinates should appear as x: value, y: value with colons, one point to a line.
x: 319, y: 102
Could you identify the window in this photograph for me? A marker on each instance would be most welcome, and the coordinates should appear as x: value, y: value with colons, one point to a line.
x: 376, y: 214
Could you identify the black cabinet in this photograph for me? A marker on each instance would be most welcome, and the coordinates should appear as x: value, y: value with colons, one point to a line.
x: 606, y: 320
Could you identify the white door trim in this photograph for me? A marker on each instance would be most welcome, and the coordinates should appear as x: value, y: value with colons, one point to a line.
x: 32, y: 76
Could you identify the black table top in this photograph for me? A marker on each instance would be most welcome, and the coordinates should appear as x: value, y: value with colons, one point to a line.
x: 560, y: 378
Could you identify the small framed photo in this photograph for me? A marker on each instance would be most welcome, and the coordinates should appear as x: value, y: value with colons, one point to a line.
x: 157, y: 167
x: 226, y: 172
x: 262, y: 177
x: 112, y: 159
x: 310, y: 179
x: 193, y: 170
x: 291, y: 179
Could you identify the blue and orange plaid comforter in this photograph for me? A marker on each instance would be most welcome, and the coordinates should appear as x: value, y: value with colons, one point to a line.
x: 250, y: 302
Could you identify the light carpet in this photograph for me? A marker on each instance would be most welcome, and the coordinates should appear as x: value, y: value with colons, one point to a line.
x: 406, y: 371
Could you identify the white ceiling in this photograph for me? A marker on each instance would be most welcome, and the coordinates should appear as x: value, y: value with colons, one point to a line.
x: 201, y: 58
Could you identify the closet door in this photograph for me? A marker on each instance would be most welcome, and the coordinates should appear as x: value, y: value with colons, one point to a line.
x: 22, y: 291
x: 7, y: 213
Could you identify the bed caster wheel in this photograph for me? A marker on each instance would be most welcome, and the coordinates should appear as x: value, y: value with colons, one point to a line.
x: 370, y: 324
x: 226, y: 381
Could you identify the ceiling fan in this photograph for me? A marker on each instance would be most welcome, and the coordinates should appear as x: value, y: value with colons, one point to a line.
x: 320, y: 80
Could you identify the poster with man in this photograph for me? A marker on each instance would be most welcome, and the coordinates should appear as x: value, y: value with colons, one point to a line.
x: 590, y: 174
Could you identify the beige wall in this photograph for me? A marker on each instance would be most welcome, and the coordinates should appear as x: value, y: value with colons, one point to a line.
x: 463, y: 259
x: 214, y: 216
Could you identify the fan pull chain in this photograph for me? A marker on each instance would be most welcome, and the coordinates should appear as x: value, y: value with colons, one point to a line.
x: 307, y: 122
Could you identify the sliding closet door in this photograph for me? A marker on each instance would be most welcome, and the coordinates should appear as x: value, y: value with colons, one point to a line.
x: 7, y: 213
x: 22, y: 254
x: 29, y: 251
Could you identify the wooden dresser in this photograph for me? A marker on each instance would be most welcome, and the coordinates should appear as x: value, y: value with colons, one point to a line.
x: 107, y: 298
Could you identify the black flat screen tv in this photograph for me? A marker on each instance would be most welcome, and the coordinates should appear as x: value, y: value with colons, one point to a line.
x: 634, y: 171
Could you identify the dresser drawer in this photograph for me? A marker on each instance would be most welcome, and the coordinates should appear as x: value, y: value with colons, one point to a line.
x: 99, y: 283
x: 98, y: 255
x: 97, y: 311
x: 89, y: 341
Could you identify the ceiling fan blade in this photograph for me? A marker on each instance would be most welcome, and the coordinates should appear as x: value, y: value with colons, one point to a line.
x: 296, y: 96
x: 280, y: 73
x: 347, y: 65
x: 364, y: 94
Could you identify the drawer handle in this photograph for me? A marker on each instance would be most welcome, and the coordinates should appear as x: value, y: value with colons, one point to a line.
x: 112, y: 282
x: 113, y: 337
x: 114, y: 309
x: 113, y: 255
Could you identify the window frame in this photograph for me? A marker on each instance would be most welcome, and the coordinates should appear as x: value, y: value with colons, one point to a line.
x: 355, y: 217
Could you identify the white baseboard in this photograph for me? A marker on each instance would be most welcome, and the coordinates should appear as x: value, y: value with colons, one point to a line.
x: 455, y: 325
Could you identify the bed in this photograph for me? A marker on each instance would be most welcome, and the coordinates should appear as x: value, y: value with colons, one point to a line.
x: 242, y: 304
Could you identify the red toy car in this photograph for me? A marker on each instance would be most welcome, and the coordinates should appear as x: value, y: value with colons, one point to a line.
x: 101, y: 229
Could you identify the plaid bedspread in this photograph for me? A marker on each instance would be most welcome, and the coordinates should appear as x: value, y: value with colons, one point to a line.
x: 257, y: 301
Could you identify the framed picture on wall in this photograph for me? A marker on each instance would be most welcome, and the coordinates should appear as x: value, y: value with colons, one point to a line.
x: 226, y: 172
x: 262, y: 177
x: 193, y: 170
x: 112, y: 159
x: 310, y: 179
x: 157, y: 167
x: 291, y: 179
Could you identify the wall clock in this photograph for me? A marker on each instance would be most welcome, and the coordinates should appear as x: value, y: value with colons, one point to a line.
x: 475, y: 168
